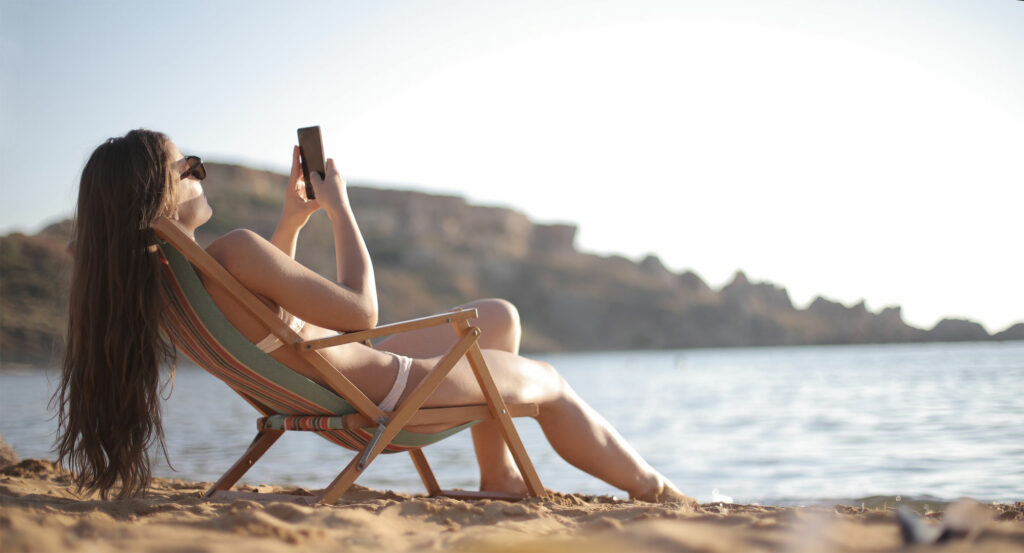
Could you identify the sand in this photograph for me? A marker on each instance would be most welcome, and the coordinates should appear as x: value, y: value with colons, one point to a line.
x: 39, y: 511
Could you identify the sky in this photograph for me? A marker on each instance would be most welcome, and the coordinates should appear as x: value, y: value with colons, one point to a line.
x: 858, y: 150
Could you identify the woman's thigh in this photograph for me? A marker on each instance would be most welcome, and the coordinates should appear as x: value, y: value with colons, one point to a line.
x: 518, y: 379
x: 498, y: 322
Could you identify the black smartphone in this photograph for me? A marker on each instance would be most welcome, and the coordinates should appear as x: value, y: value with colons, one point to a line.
x: 311, y: 153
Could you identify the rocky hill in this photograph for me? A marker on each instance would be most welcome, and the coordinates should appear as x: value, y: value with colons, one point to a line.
x: 431, y: 252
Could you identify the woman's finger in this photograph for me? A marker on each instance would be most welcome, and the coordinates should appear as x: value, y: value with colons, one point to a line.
x: 296, y: 162
x: 316, y: 181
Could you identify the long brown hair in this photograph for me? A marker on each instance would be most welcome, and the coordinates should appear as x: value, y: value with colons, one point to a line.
x: 109, y: 394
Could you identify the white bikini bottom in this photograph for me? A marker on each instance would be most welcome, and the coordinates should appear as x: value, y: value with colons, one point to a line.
x: 390, y: 401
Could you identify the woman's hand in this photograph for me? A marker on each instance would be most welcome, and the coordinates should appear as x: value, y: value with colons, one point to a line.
x: 296, y: 211
x: 331, y: 191
x: 297, y: 208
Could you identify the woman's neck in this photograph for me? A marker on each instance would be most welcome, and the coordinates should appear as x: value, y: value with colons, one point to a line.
x: 188, y: 230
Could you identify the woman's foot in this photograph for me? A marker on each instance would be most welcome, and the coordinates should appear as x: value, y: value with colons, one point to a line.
x: 512, y: 485
x: 664, y: 492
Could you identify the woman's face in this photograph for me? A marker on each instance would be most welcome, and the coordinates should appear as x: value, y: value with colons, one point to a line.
x: 190, y: 207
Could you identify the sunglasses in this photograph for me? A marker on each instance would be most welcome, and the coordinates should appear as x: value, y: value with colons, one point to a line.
x: 194, y: 168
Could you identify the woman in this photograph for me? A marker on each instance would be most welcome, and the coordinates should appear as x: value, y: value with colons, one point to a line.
x: 108, y: 396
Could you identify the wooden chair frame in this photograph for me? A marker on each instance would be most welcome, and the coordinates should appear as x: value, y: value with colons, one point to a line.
x: 408, y: 413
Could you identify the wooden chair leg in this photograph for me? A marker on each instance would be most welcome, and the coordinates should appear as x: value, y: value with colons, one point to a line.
x: 260, y: 444
x: 426, y: 474
x: 499, y: 410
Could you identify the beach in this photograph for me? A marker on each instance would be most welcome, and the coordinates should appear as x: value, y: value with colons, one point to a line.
x: 40, y: 511
x: 815, y: 466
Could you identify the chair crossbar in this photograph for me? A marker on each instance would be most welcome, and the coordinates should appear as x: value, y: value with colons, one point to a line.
x: 439, y: 415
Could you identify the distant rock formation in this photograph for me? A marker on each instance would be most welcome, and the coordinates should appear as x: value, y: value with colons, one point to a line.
x: 432, y: 252
x: 955, y: 330
x: 1015, y: 332
x: 34, y: 276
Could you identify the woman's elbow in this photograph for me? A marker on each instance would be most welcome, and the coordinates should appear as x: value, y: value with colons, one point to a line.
x: 369, y: 319
x: 368, y: 313
x: 372, y: 317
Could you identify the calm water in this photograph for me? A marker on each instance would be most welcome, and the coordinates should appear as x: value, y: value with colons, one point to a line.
x: 768, y: 425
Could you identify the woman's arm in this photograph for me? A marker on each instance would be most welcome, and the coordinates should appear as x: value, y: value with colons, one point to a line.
x: 296, y: 210
x: 355, y: 269
x: 265, y: 270
x: 268, y: 269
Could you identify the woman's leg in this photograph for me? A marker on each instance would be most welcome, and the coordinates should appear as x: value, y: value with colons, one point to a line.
x: 575, y: 430
x: 500, y: 328
x: 589, y: 442
x: 498, y: 321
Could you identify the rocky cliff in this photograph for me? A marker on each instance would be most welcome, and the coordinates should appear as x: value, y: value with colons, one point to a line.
x: 432, y: 252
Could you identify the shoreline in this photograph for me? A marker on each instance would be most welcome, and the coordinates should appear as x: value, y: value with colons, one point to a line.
x: 39, y: 511
x: 784, y: 428
x: 53, y: 363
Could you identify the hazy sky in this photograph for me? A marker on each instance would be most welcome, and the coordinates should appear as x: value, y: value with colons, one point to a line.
x: 867, y: 149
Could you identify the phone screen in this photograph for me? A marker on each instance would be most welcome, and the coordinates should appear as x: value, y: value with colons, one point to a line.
x: 311, y: 152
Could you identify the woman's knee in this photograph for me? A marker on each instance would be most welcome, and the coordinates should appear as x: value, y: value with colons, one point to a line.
x: 500, y: 324
x: 523, y: 380
x: 546, y: 382
x: 557, y: 401
x: 553, y: 376
x: 504, y: 313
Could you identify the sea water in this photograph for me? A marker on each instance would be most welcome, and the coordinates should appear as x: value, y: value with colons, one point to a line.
x: 793, y: 425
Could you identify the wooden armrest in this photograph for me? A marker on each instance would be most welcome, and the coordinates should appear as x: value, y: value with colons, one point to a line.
x: 388, y: 329
x: 442, y: 415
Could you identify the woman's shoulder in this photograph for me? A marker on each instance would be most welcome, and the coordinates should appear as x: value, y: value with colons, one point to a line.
x: 237, y: 245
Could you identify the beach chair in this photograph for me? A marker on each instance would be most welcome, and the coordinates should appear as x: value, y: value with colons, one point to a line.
x: 288, y: 401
